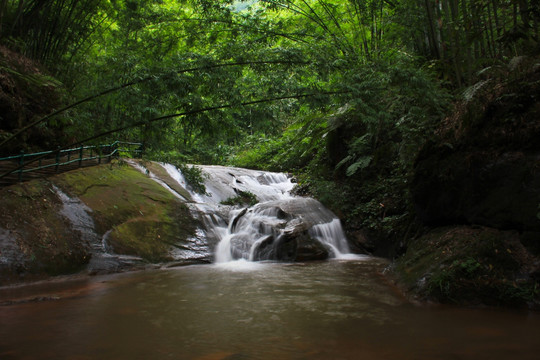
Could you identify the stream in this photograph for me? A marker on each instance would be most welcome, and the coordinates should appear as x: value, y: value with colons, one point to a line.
x: 283, y: 285
x: 336, y: 309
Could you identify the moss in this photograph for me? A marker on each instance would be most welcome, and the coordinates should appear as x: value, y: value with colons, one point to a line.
x: 151, y: 237
x: 142, y: 237
x: 146, y: 219
x: 46, y: 243
x: 114, y: 193
x: 162, y: 174
x: 469, y: 265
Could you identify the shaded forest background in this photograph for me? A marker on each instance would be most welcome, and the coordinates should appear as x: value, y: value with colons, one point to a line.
x: 344, y: 94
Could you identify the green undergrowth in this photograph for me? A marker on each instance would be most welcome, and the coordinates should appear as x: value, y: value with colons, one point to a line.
x: 470, y: 265
x: 243, y: 198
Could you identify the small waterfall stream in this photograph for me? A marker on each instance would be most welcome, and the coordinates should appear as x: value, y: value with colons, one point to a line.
x: 102, y: 260
x: 279, y: 227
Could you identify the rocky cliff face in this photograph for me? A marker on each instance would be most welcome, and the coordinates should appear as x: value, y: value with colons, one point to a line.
x: 478, y: 184
x: 488, y: 172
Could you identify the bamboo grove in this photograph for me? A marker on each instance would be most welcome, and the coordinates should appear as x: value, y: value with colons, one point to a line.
x: 283, y: 48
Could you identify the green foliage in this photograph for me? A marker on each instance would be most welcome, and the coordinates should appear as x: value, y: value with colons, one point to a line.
x: 444, y: 281
x: 243, y: 198
x: 358, y: 154
x: 294, y: 149
x: 51, y: 31
x: 194, y: 176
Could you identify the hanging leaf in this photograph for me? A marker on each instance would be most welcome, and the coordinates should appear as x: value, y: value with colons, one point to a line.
x: 361, y: 163
x: 345, y: 160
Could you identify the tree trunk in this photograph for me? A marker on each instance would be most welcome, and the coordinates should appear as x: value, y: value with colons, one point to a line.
x: 524, y: 13
x: 468, y: 42
x: 3, y: 9
x: 432, y: 32
x: 453, y: 44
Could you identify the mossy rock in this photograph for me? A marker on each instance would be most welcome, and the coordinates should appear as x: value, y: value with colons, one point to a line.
x: 470, y: 265
x: 151, y: 237
x: 147, y: 238
x: 482, y: 166
x: 43, y: 239
x: 145, y: 218
x: 114, y: 193
x: 164, y: 176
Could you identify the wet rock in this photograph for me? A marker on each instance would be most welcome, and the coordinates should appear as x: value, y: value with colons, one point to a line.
x: 487, y: 169
x: 361, y: 241
x: 12, y: 259
x: 264, y: 249
x: 310, y: 249
x: 292, y: 243
x: 477, y: 185
x: 237, y: 217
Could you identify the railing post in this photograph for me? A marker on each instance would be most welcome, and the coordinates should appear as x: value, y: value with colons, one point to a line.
x: 115, y: 149
x: 81, y: 150
x: 141, y: 150
x: 57, y: 159
x: 21, y: 165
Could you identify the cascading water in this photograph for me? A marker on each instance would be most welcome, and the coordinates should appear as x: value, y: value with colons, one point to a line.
x: 279, y: 227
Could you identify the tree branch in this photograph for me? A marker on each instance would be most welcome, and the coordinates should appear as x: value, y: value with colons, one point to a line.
x: 171, y: 116
x: 135, y: 82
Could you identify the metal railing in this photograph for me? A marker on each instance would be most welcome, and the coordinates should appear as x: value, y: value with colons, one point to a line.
x: 54, y: 160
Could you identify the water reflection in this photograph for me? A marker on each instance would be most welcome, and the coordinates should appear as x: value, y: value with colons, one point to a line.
x: 327, y: 310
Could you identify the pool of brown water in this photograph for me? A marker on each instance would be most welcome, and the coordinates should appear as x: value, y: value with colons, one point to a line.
x: 241, y: 310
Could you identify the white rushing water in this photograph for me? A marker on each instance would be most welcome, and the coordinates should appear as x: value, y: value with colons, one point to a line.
x: 279, y: 227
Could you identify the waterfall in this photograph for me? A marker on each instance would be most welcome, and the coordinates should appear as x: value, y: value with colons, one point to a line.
x: 279, y: 227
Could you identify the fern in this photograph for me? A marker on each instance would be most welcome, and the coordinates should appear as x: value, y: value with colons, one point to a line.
x: 345, y: 160
x: 469, y: 92
x: 360, y: 164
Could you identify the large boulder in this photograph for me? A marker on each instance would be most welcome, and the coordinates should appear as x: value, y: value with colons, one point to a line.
x: 278, y: 230
x: 486, y: 169
x: 477, y: 186
x: 500, y: 189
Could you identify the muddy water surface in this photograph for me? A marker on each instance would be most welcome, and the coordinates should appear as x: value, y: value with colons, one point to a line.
x: 322, y: 310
